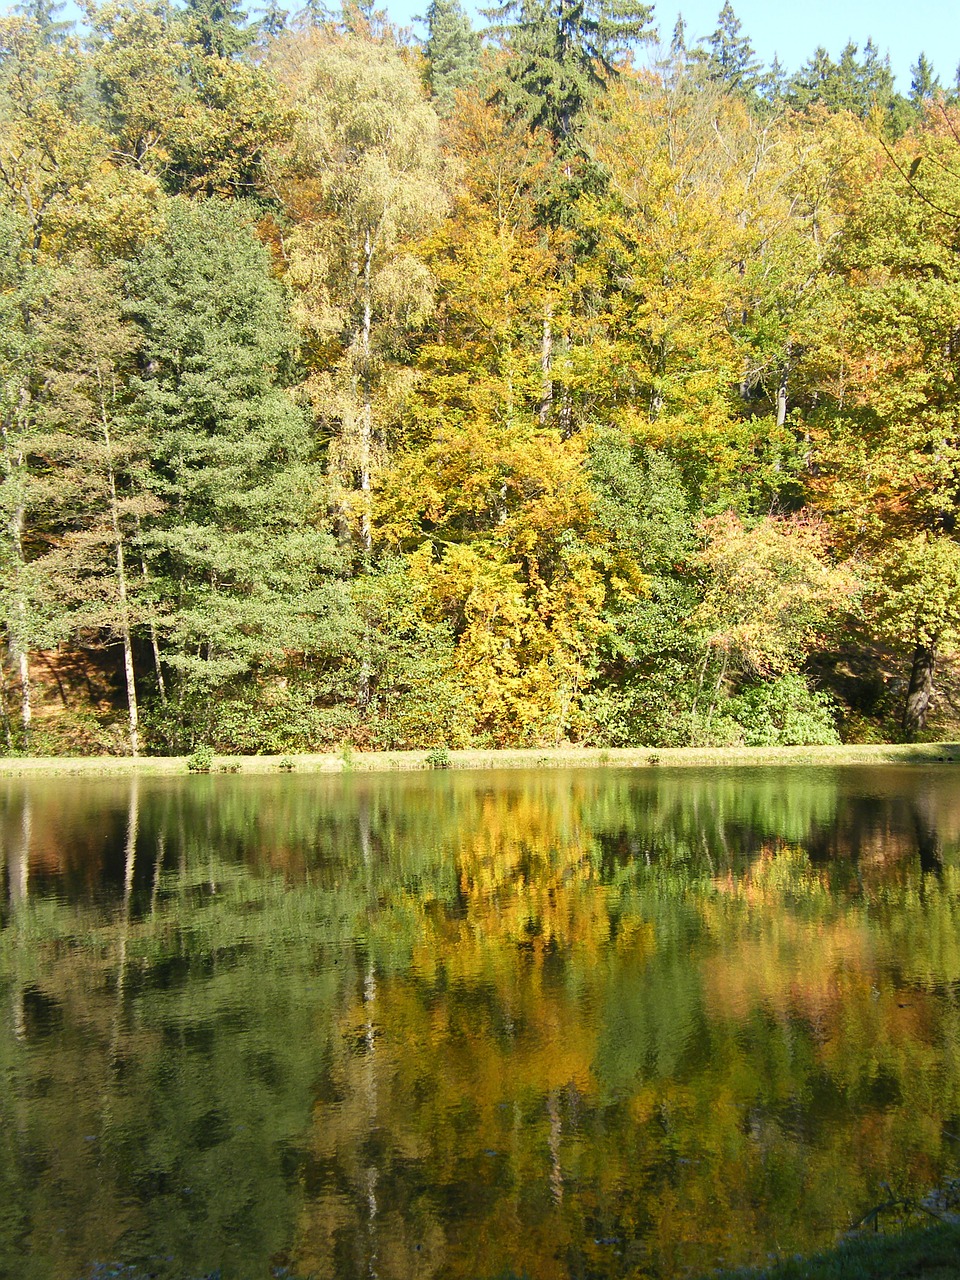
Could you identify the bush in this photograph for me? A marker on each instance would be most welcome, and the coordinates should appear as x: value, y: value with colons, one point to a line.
x: 782, y: 713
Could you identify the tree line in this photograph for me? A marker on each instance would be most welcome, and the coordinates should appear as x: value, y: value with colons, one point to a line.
x: 519, y: 387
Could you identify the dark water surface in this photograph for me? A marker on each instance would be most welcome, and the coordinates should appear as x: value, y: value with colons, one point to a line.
x: 554, y: 1024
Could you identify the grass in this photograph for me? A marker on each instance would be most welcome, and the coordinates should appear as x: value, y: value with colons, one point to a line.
x: 918, y: 1253
x: 532, y: 758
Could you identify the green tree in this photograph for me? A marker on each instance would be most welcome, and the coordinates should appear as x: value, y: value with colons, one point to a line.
x: 21, y: 490
x: 924, y: 83
x: 561, y: 53
x: 93, y: 508
x: 452, y: 51
x: 732, y: 60
x: 219, y: 27
x: 243, y: 572
x: 43, y: 13
x: 857, y: 84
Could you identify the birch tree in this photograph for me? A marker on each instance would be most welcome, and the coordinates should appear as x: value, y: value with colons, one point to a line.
x: 363, y: 181
x: 96, y: 453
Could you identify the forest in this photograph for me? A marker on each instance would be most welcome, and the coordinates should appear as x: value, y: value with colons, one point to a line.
x: 560, y: 381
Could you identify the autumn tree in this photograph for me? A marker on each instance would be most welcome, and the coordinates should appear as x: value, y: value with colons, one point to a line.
x: 94, y: 503
x: 362, y: 181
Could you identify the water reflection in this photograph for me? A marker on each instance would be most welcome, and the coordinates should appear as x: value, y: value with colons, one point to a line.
x: 448, y: 1025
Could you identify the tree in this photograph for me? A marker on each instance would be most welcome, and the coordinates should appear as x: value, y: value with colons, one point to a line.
x: 887, y: 472
x: 21, y: 492
x: 452, y: 51
x: 853, y: 84
x: 178, y: 104
x: 363, y: 178
x: 918, y: 603
x: 561, y: 53
x: 49, y: 149
x: 732, y: 61
x: 94, y: 506
x: 43, y: 14
x: 243, y: 572
x: 219, y: 27
x: 924, y: 82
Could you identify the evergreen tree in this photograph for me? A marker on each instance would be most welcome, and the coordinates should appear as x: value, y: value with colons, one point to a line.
x: 924, y: 83
x: 53, y: 31
x: 678, y: 39
x: 219, y: 27
x: 314, y: 14
x: 562, y: 53
x: 732, y: 60
x: 452, y: 50
x: 273, y: 20
x: 236, y: 557
x: 853, y: 84
x: 772, y: 85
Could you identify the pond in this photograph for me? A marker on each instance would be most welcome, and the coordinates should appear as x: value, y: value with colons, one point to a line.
x: 557, y: 1023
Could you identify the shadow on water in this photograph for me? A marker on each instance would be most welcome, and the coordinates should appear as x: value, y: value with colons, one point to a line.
x: 594, y: 1023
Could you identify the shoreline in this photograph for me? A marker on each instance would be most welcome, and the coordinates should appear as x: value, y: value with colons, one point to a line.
x: 345, y: 761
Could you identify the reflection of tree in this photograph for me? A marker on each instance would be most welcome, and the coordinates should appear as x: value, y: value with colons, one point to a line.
x: 450, y: 1025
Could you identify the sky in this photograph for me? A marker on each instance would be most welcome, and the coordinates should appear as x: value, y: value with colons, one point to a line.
x: 901, y: 28
x: 791, y: 29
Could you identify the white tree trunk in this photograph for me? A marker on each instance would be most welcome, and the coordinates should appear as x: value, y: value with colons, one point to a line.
x: 128, y: 670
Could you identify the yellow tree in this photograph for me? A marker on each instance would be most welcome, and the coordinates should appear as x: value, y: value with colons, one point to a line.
x: 887, y: 427
x: 487, y: 495
x: 361, y: 181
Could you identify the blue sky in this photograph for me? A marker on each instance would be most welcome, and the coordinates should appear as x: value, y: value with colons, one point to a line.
x: 901, y: 28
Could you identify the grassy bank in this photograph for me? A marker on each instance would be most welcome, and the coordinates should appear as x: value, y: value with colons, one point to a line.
x: 922, y: 1253
x: 533, y: 758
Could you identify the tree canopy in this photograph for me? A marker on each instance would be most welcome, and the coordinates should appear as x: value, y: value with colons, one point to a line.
x: 515, y: 385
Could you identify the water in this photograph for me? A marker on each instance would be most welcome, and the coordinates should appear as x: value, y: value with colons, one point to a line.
x: 554, y: 1024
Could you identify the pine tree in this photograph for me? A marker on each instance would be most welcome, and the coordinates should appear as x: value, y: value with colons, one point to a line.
x: 852, y: 84
x: 219, y: 27
x: 237, y: 559
x: 452, y: 50
x: 924, y: 83
x: 53, y: 31
x: 732, y: 61
x: 273, y: 20
x: 563, y: 52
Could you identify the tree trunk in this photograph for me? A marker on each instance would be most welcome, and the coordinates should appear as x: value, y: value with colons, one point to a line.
x: 17, y: 629
x: 546, y: 366
x: 7, y: 731
x: 128, y: 671
x: 920, y: 690
x: 366, y: 413
x: 783, y: 374
x: 154, y: 639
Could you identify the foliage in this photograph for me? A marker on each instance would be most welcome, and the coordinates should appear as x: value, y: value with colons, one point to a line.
x: 494, y: 391
x: 452, y: 51
x: 782, y: 713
